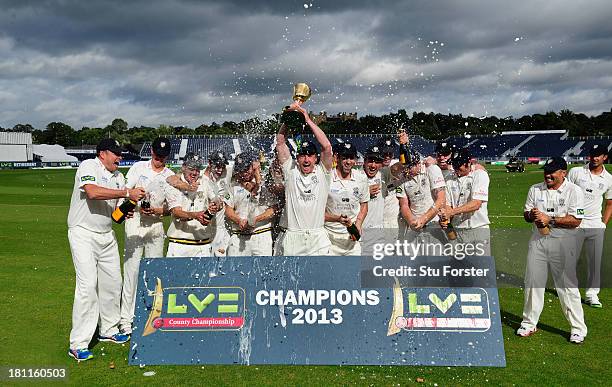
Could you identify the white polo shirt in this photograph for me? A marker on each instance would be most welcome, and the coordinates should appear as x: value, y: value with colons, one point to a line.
x: 245, y: 204
x: 391, y: 210
x: 192, y: 202
x: 221, y: 187
x: 420, y: 190
x: 461, y: 190
x: 345, y: 198
x: 565, y: 200
x: 593, y: 187
x: 376, y: 204
x: 305, y: 196
x: 93, y: 215
x: 141, y: 174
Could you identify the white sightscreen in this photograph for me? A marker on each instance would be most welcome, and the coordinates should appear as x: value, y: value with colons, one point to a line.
x: 13, y: 153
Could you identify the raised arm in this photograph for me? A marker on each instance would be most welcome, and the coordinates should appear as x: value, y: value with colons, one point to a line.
x: 282, y: 150
x: 326, y: 147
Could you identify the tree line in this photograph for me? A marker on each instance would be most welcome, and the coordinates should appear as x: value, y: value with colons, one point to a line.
x: 433, y: 126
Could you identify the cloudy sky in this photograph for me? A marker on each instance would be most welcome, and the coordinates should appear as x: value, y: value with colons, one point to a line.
x: 190, y: 62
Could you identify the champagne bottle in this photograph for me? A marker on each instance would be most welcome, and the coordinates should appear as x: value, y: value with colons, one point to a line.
x: 354, y: 231
x: 404, y: 156
x: 121, y: 211
x: 146, y: 202
x: 450, y: 231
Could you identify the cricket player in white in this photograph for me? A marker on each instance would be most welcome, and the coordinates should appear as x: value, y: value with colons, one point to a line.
x: 420, y: 199
x: 347, y: 202
x: 372, y: 164
x: 556, y: 209
x: 467, y: 194
x: 306, y: 188
x: 144, y: 232
x: 249, y: 208
x: 373, y: 223
x: 192, y: 230
x: 392, y: 217
x: 595, y: 182
x: 217, y: 176
x: 97, y: 186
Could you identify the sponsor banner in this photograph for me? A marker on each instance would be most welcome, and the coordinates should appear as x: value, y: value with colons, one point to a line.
x: 306, y: 310
x: 18, y: 164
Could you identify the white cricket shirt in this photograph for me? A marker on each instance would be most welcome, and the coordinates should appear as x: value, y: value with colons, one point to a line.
x: 141, y: 174
x: 93, y: 215
x: 461, y: 190
x: 305, y: 196
x: 565, y: 200
x: 390, y: 183
x: 345, y: 198
x: 192, y: 202
x: 593, y: 188
x: 246, y: 204
x: 420, y: 190
x: 376, y: 204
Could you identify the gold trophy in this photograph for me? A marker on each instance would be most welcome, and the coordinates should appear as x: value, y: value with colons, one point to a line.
x: 293, y: 119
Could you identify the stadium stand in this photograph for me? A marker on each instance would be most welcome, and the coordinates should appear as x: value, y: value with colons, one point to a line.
x: 525, y: 145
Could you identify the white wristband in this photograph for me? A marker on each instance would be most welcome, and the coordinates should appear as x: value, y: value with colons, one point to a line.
x: 127, y: 193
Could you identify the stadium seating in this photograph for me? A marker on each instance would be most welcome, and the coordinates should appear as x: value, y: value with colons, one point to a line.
x: 540, y: 144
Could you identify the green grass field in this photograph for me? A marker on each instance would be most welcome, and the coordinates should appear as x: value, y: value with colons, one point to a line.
x: 37, y: 285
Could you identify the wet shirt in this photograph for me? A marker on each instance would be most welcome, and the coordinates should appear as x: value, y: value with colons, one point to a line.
x: 565, y: 200
x: 345, y: 198
x: 376, y: 204
x: 192, y: 202
x: 246, y: 205
x: 93, y: 215
x: 141, y: 174
x: 421, y: 188
x: 390, y: 183
x: 305, y: 196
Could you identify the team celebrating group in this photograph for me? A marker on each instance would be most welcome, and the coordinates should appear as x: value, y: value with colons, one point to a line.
x: 315, y: 202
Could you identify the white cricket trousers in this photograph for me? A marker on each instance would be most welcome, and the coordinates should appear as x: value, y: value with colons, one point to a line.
x: 256, y: 245
x: 221, y: 241
x: 560, y: 255
x: 312, y: 242
x: 590, y: 239
x: 181, y: 250
x: 98, y: 285
x: 147, y: 239
x: 342, y: 244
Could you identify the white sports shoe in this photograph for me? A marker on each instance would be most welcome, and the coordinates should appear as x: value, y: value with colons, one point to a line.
x: 593, y: 301
x: 523, y: 331
x: 576, y: 338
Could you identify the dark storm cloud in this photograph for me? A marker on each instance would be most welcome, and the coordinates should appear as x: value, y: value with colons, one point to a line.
x: 188, y: 62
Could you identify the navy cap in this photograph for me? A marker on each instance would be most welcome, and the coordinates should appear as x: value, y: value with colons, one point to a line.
x: 307, y: 148
x: 388, y: 146
x: 445, y: 148
x: 193, y: 161
x: 243, y: 161
x: 109, y: 144
x: 374, y: 153
x: 347, y: 150
x: 598, y: 150
x: 217, y: 158
x: 554, y: 164
x: 161, y: 146
x: 460, y: 157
